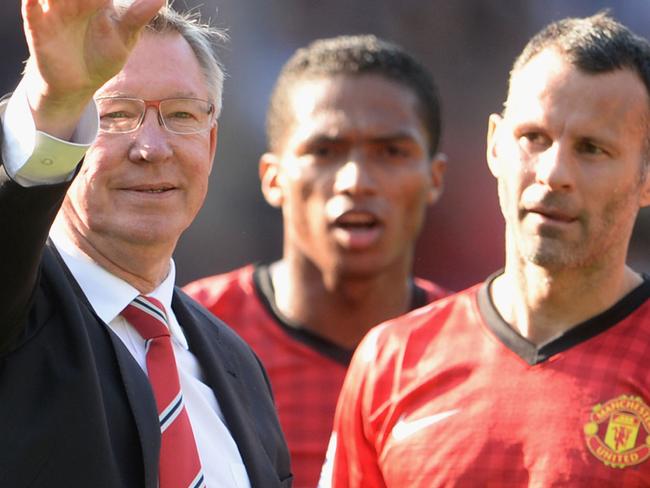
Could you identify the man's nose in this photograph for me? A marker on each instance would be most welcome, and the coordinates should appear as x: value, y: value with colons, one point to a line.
x: 354, y: 176
x: 151, y: 140
x: 554, y: 169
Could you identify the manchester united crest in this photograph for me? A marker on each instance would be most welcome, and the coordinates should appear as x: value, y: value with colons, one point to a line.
x: 618, y: 431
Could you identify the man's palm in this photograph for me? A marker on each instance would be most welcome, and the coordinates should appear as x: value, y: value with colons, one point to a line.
x: 78, y: 45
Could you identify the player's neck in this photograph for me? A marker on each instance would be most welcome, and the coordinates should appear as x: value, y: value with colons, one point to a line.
x: 541, y: 304
x: 340, y: 309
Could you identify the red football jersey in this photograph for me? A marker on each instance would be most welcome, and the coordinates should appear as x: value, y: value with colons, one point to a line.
x: 305, y: 370
x: 450, y: 395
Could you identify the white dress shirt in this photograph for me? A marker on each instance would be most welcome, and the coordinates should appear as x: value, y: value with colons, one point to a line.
x: 32, y: 158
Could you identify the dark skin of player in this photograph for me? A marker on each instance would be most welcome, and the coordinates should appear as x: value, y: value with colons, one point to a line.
x: 354, y: 178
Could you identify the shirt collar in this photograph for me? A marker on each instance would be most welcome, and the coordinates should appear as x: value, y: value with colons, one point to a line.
x: 108, y: 294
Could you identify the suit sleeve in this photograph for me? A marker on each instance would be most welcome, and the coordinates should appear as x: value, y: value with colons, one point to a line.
x: 352, y: 457
x: 26, y: 215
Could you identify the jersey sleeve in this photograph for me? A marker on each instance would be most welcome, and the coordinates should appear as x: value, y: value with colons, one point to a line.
x: 352, y: 458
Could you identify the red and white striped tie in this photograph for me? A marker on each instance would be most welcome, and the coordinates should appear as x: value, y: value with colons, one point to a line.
x: 180, y: 466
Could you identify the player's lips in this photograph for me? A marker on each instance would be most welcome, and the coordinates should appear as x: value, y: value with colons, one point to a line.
x: 552, y: 214
x: 356, y: 218
x: 357, y: 229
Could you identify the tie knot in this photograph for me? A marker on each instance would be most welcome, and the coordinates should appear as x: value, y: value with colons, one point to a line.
x: 148, y: 316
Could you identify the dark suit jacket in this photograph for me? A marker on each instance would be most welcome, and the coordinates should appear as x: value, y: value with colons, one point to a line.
x: 76, y: 410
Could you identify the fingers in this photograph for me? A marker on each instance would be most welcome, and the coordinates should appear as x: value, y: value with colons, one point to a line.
x: 136, y: 14
x: 70, y: 7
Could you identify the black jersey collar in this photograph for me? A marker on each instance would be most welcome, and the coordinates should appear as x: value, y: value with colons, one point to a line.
x: 266, y: 292
x: 534, y: 354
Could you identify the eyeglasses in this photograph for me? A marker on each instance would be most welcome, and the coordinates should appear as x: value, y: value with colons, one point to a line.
x: 120, y: 115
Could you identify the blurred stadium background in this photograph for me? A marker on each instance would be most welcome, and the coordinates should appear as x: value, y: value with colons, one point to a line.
x: 469, y: 45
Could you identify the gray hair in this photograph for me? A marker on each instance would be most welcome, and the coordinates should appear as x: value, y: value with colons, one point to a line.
x: 199, y: 35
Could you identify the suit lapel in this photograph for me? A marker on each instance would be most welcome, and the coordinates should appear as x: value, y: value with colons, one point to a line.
x: 136, y: 384
x: 220, y: 367
x: 143, y: 405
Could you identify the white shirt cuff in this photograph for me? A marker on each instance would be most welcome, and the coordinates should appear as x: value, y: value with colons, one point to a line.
x: 33, y: 157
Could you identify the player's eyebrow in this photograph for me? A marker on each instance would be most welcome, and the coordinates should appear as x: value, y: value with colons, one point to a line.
x: 402, y: 136
x: 324, y: 139
x: 394, y: 138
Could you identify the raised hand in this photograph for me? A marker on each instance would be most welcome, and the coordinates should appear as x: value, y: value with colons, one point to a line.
x: 75, y: 47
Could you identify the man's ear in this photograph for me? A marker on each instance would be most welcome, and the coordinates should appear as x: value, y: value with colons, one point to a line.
x: 492, y: 150
x: 214, y: 137
x: 269, y: 167
x: 438, y: 167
